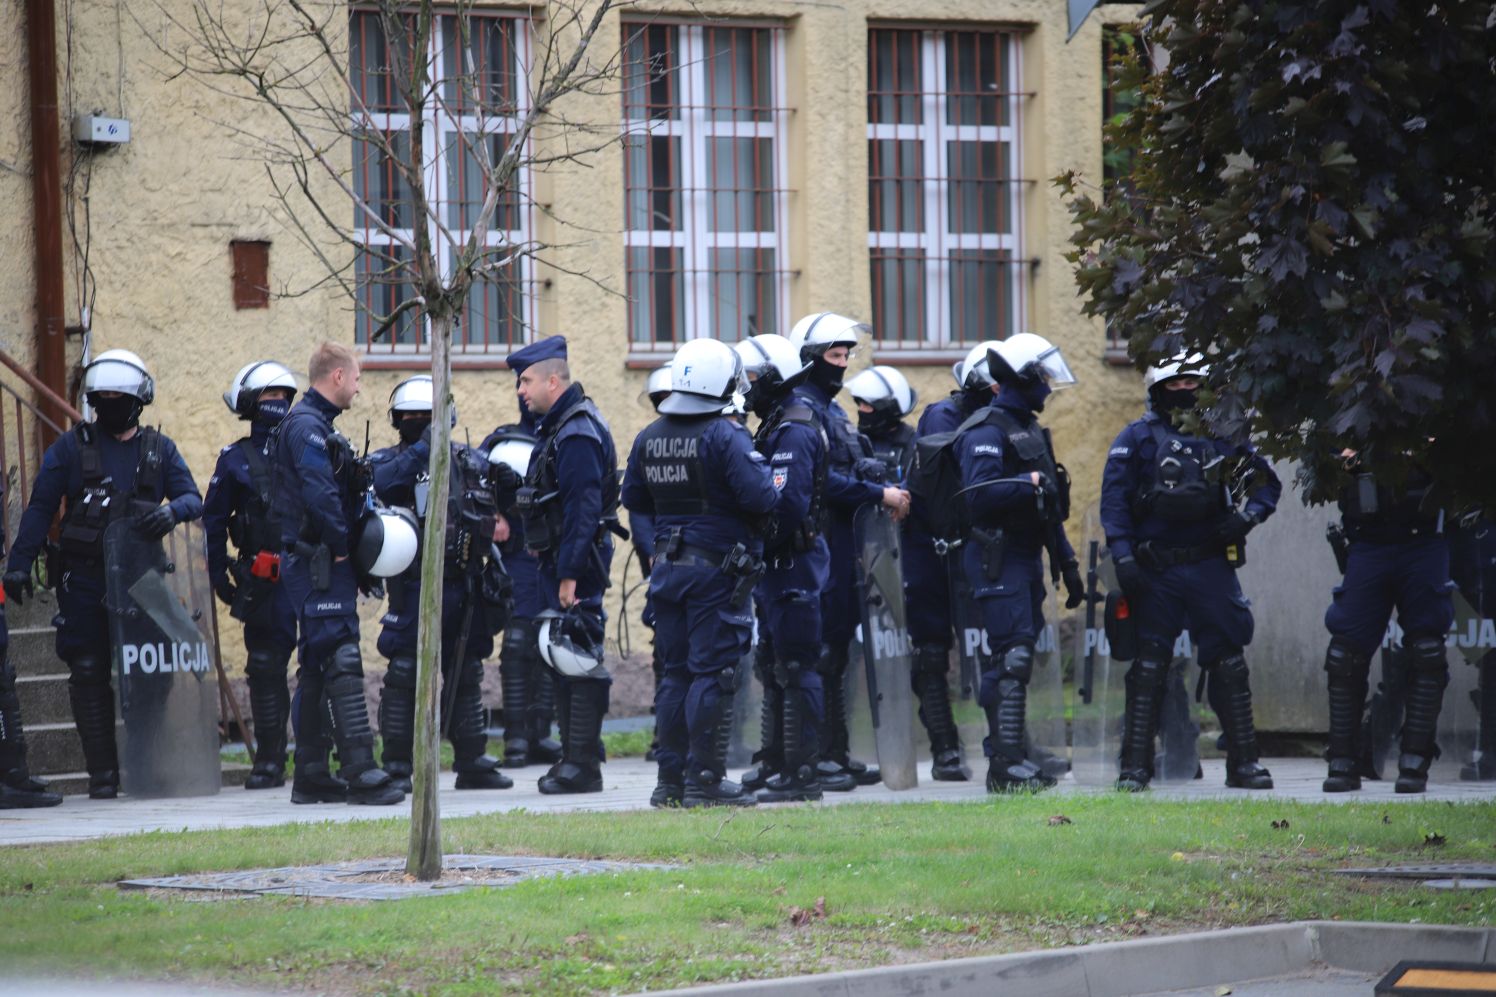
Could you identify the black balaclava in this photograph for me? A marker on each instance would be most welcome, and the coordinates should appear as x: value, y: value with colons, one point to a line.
x: 825, y: 375
x: 1168, y: 401
x: 412, y: 426
x: 971, y: 400
x: 1033, y: 391
x: 115, y: 415
x: 270, y: 411
x: 762, y: 395
x: 881, y: 421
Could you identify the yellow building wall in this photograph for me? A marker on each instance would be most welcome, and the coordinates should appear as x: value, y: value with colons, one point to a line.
x: 164, y: 208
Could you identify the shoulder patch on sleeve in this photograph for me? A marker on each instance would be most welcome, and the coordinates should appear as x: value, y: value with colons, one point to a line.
x: 1119, y: 451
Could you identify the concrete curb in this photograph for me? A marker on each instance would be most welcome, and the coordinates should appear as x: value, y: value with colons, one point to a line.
x: 1117, y: 969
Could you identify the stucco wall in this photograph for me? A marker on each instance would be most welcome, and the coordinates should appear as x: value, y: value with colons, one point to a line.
x: 165, y: 207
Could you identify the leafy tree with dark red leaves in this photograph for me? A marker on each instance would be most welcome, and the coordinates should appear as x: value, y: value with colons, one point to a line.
x: 1310, y: 204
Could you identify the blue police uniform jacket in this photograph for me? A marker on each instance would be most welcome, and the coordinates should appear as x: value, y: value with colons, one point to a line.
x: 1131, y: 468
x: 305, y: 486
x: 585, y: 465
x: 701, y: 476
x: 985, y: 454
x: 845, y: 447
x: 61, y: 476
x: 230, y: 491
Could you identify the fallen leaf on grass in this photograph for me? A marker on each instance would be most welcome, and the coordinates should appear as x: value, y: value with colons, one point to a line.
x: 1433, y: 839
x: 1280, y: 825
x: 1059, y: 819
x: 1386, y: 819
x: 800, y: 917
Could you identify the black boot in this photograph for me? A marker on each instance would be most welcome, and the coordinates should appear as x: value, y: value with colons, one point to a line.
x: 836, y: 758
x: 543, y: 708
x: 1345, y: 674
x: 269, y: 702
x: 93, y: 713
x: 1145, y: 683
x: 1231, y: 698
x: 930, y: 664
x: 797, y: 782
x: 469, y: 735
x: 1429, y: 674
x: 1482, y: 768
x: 1008, y: 769
x: 580, y: 768
x: 514, y: 680
x: 656, y: 665
x: 707, y: 784
x: 397, y: 721
x: 769, y: 758
x: 343, y: 688
x: 313, y: 781
x: 17, y: 789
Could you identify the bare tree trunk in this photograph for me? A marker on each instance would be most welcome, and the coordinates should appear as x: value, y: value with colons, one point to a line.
x: 424, y: 860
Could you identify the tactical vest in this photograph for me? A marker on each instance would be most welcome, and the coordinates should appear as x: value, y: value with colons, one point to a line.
x: 763, y: 441
x: 1186, y: 484
x: 253, y: 527
x: 1372, y: 510
x: 674, y: 469
x: 81, y: 537
x: 1034, y: 450
x: 895, y: 452
x: 471, y: 512
x: 845, y: 445
x: 540, y: 503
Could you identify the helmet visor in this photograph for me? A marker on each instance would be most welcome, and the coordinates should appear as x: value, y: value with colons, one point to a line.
x: 1054, y: 368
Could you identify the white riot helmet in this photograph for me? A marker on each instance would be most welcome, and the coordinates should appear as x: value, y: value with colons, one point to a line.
x: 973, y: 373
x: 388, y: 541
x: 513, y: 448
x: 1179, y: 365
x: 414, y: 394
x: 1027, y: 357
x: 244, y: 390
x: 656, y: 387
x: 121, y: 371
x: 884, y: 388
x: 568, y: 645
x: 814, y: 334
x: 773, y: 366
x: 704, y: 375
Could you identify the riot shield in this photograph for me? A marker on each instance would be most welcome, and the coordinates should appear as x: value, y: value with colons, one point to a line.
x: 1100, y: 693
x: 971, y: 636
x: 1045, y: 719
x: 1177, y: 752
x: 1465, y: 740
x: 885, y: 645
x: 159, y: 603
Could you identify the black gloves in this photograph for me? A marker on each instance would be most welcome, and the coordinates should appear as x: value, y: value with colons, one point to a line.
x: 870, y: 469
x: 1075, y: 589
x: 1048, y: 495
x: 1131, y: 577
x: 17, y: 586
x: 224, y: 589
x: 157, y: 523
x: 505, y: 478
x: 1235, y: 527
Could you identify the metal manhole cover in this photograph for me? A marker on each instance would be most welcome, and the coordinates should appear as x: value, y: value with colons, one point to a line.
x: 1427, y: 870
x: 384, y: 879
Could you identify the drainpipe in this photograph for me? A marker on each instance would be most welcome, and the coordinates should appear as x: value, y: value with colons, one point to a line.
x: 46, y: 198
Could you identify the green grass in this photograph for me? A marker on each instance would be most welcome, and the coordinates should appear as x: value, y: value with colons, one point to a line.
x: 901, y: 882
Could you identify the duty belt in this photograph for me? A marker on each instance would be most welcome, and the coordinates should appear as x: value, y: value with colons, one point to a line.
x: 1158, y: 558
x: 712, y: 558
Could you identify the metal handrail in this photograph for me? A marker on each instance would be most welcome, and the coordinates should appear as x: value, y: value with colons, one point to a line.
x: 20, y: 407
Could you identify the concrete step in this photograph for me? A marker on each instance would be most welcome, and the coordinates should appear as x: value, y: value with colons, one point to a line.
x: 76, y: 783
x: 44, y: 699
x: 37, y: 611
x: 32, y: 651
x: 54, y: 747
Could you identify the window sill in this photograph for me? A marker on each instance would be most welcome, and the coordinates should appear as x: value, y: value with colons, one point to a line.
x: 1116, y: 355
x: 421, y: 362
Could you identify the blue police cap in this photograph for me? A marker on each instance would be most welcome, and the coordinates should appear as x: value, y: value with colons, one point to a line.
x: 549, y: 348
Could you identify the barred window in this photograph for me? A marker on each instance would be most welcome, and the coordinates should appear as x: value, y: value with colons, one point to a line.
x: 704, y: 161
x: 471, y: 113
x: 945, y: 207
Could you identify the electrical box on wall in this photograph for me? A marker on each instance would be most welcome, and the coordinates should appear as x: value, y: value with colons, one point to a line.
x: 91, y: 129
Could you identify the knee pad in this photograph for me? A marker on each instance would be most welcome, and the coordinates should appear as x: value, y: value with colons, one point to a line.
x: 763, y: 661
x: 1017, y: 662
x: 1426, y: 654
x: 1344, y: 661
x: 727, y: 681
x: 401, y: 674
x: 931, y: 659
x: 787, y: 672
x: 267, y: 663
x: 519, y: 640
x: 346, y: 661
x: 89, y: 669
x: 1231, y: 668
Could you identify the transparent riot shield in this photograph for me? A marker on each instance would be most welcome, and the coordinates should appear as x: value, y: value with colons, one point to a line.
x: 1465, y: 740
x: 971, y: 636
x: 1177, y: 751
x: 886, y: 651
x: 159, y: 602
x: 1045, y: 719
x: 1100, y: 692
x: 747, y: 706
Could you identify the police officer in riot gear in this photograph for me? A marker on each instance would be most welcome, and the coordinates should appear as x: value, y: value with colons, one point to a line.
x: 107, y: 470
x: 318, y: 497
x: 569, y: 508
x: 1017, y: 496
x: 18, y: 790
x: 884, y: 399
x: 237, y: 508
x: 853, y: 478
x: 529, y: 693
x: 474, y: 595
x: 788, y: 599
x: 641, y: 532
x: 696, y: 473
x: 1394, y: 552
x: 1176, y: 506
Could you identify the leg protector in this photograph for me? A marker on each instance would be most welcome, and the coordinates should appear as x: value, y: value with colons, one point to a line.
x: 1008, y: 769
x: 93, y: 713
x: 1345, y: 673
x: 269, y: 703
x: 797, y: 781
x: 836, y: 759
x: 343, y: 685
x: 314, y: 781
x: 469, y: 734
x: 397, y: 712
x: 1231, y: 698
x: 1145, y: 681
x: 707, y: 784
x: 585, y: 701
x: 514, y: 677
x: 1429, y: 674
x: 542, y: 708
x: 769, y: 758
x: 931, y: 662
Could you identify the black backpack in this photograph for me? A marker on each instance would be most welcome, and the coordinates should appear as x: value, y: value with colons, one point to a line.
x: 934, y: 481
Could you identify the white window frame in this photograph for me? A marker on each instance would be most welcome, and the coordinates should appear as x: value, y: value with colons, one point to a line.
x: 695, y: 239
x: 439, y: 123
x: 937, y: 241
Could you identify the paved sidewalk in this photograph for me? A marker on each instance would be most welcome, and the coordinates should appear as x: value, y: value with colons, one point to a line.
x: 627, y: 783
